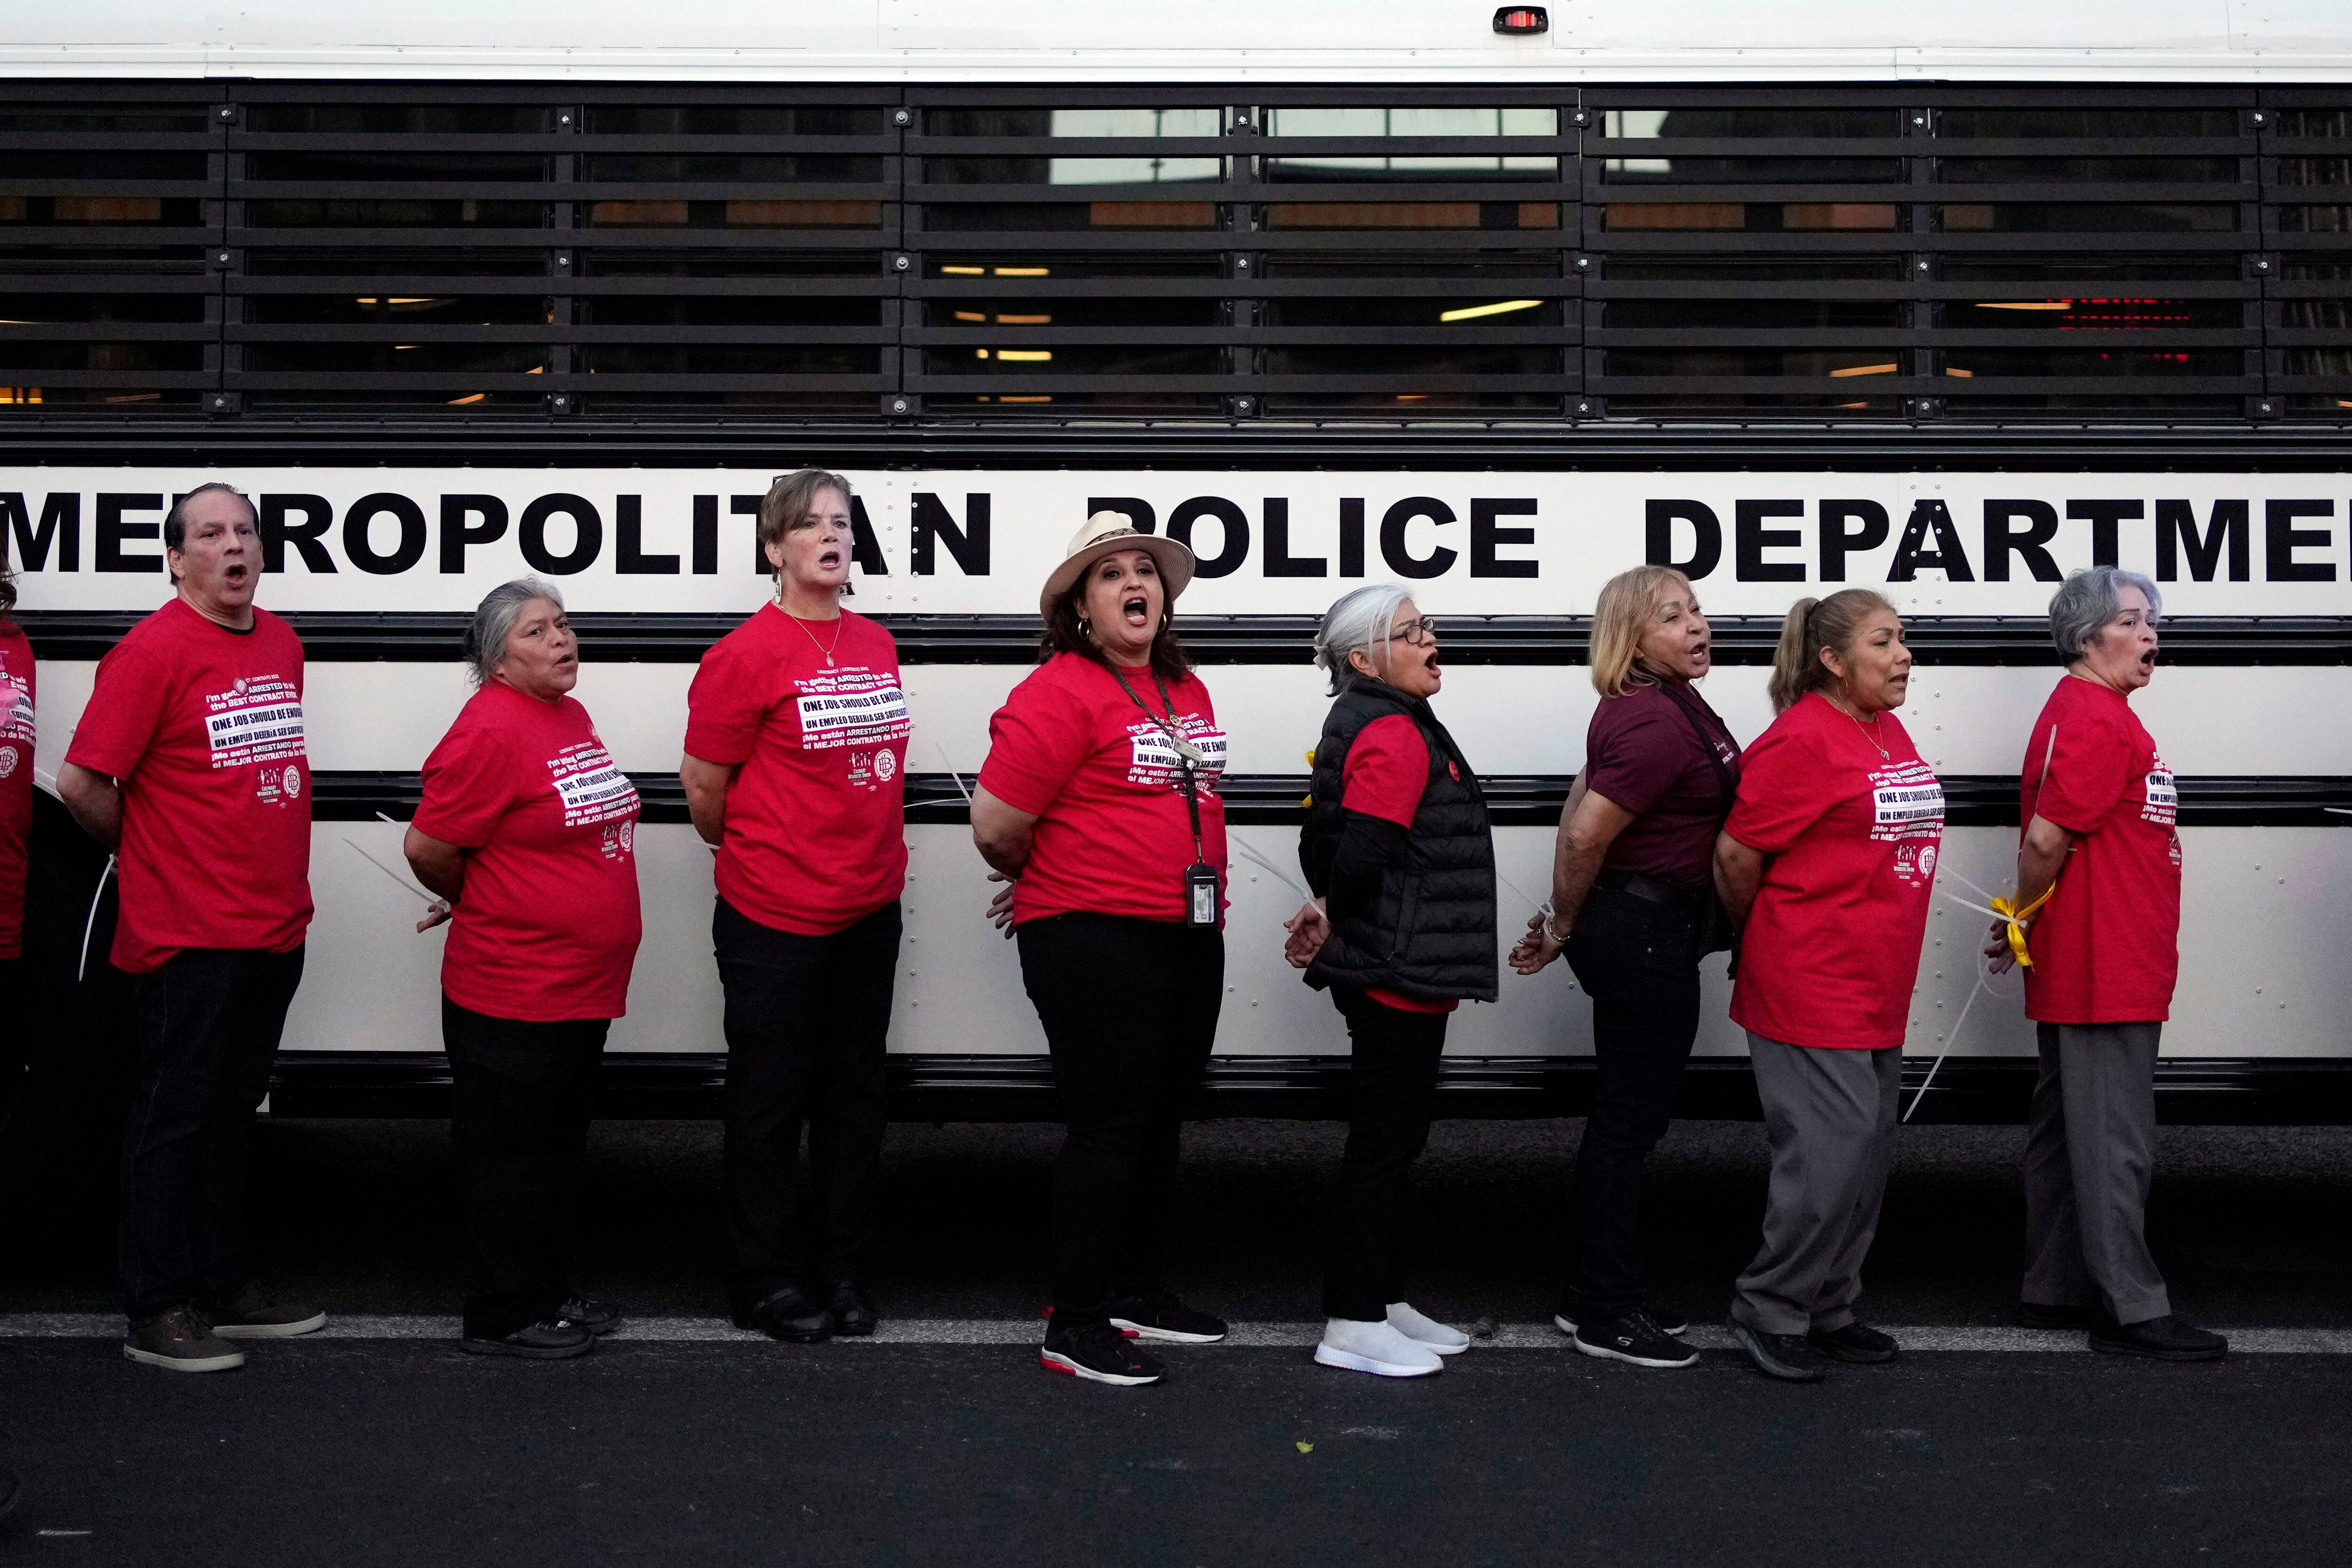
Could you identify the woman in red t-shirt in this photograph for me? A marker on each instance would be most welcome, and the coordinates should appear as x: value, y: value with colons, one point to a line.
x: 528, y: 831
x: 1827, y: 862
x: 18, y: 678
x: 796, y: 757
x: 1632, y: 906
x: 1099, y: 804
x: 2099, y: 807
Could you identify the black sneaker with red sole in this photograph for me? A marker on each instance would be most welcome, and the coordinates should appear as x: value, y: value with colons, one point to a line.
x: 1099, y: 1352
x: 1160, y: 1316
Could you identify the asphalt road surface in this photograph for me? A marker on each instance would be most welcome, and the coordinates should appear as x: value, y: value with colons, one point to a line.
x: 684, y: 1441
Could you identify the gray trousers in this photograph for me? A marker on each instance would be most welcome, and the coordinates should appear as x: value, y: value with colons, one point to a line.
x: 2090, y: 1151
x: 1829, y: 1116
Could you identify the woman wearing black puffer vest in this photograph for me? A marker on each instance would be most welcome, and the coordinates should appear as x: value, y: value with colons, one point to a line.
x: 1397, y: 845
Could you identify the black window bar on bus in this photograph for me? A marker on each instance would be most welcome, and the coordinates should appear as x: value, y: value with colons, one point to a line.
x: 786, y: 252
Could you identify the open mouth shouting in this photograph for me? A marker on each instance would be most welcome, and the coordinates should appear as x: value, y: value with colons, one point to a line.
x: 1135, y: 609
x: 830, y: 558
x: 2147, y: 662
x: 236, y: 573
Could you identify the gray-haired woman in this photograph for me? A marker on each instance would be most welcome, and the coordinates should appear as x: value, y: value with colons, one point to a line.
x: 1398, y: 846
x: 2101, y: 956
x: 527, y: 832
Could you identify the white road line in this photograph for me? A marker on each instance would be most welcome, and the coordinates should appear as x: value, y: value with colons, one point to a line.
x: 1288, y: 1336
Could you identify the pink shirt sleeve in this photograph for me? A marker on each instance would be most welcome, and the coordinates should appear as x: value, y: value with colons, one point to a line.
x: 126, y: 705
x: 1387, y: 770
x: 1035, y: 742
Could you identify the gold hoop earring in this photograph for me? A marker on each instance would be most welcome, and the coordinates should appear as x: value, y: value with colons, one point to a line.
x: 1087, y: 627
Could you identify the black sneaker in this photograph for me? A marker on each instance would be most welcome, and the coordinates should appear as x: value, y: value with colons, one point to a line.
x: 180, y: 1340
x: 1789, y: 1357
x: 599, y: 1318
x: 251, y: 1313
x: 1854, y: 1342
x: 788, y: 1314
x: 853, y: 1315
x: 550, y: 1339
x: 2172, y: 1337
x: 1572, y: 1311
x: 1634, y: 1338
x: 1099, y: 1352
x: 2049, y: 1315
x: 1160, y: 1316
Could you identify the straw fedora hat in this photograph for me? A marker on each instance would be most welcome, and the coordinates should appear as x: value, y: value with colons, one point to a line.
x: 1106, y: 533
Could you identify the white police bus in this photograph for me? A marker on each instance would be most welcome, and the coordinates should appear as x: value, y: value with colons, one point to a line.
x: 1498, y: 302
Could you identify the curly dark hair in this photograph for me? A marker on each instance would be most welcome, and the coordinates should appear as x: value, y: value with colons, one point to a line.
x: 1063, y: 635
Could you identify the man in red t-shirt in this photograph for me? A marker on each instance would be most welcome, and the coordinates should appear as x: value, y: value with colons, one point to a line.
x: 2099, y: 806
x: 189, y: 764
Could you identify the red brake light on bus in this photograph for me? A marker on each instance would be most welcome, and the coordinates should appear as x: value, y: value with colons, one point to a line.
x: 1521, y: 19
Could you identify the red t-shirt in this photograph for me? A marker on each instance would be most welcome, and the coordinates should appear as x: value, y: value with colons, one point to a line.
x: 1113, y: 835
x: 2106, y: 948
x: 547, y: 925
x: 203, y: 730
x: 17, y: 682
x: 1642, y: 753
x: 1831, y: 949
x: 201, y: 726
x: 816, y: 818
x: 1386, y: 773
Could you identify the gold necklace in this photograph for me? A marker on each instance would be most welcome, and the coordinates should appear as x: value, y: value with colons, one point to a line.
x: 1869, y: 731
x: 841, y: 625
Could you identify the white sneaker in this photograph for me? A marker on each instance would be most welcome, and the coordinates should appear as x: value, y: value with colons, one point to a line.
x: 1376, y: 1348
x: 1426, y: 1331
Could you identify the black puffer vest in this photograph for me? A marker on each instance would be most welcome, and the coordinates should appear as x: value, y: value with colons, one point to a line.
x: 1430, y: 936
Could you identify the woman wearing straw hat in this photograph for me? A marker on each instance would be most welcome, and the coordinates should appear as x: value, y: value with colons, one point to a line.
x: 1098, y: 805
x: 1398, y: 843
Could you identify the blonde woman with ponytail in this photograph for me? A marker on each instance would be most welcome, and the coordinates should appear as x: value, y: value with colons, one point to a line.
x: 1826, y: 863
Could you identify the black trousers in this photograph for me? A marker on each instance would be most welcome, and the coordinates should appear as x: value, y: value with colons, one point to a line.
x: 808, y: 1025
x: 519, y: 1121
x: 1392, y: 1083
x: 1129, y: 1008
x: 208, y: 1024
x: 1638, y: 962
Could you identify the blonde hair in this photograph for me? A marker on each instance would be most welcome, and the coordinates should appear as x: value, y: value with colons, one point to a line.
x: 788, y: 503
x: 1618, y: 618
x: 1812, y: 625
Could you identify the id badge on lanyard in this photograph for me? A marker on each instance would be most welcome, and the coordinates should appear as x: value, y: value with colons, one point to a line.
x: 1200, y: 876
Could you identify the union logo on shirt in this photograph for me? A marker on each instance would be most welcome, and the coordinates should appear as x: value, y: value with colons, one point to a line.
x: 1153, y: 761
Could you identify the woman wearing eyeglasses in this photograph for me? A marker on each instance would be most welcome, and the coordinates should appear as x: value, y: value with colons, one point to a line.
x: 1398, y: 846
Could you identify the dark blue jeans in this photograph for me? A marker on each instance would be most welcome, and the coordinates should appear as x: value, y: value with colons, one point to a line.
x: 209, y: 1023
x: 1638, y: 962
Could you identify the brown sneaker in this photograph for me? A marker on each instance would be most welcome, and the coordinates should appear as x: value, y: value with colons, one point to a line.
x: 178, y: 1338
x: 251, y: 1313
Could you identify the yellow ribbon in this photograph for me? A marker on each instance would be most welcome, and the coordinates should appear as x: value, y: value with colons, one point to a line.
x: 2008, y: 910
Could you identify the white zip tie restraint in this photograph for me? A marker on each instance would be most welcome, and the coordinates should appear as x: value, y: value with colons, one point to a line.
x: 89, y: 925
x: 1273, y: 870
x: 1984, y: 983
x: 943, y: 749
x: 404, y: 884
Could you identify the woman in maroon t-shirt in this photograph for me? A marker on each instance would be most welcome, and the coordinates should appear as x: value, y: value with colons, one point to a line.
x: 2099, y: 809
x: 1632, y: 897
x: 795, y: 773
x: 1099, y: 804
x: 528, y: 831
x: 1828, y: 860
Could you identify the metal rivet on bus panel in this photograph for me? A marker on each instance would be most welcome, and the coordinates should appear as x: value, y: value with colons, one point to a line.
x: 563, y: 120
x: 902, y: 118
x: 901, y: 263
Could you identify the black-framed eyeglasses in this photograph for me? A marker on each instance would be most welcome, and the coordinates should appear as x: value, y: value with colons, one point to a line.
x: 1417, y: 632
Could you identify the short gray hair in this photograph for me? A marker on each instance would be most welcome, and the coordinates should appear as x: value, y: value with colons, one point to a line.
x: 494, y: 617
x: 2087, y: 600
x: 1362, y: 618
